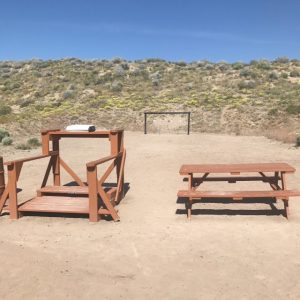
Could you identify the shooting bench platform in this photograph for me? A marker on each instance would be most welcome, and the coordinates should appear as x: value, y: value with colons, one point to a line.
x: 91, y: 197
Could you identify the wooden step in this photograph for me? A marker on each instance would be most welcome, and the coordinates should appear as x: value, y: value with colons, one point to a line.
x: 73, y: 190
x: 64, y: 190
x: 238, y: 194
x: 56, y: 204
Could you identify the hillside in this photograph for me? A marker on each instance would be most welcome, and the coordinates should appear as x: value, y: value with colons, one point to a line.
x: 262, y: 97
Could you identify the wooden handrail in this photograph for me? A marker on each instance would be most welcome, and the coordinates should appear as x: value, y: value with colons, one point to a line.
x: 52, y: 153
x: 45, y: 131
x: 93, y: 164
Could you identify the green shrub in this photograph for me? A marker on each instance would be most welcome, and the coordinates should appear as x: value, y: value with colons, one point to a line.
x: 282, y: 60
x: 6, y: 141
x: 117, y: 60
x: 119, y: 71
x: 68, y: 94
x: 298, y: 141
x: 181, y: 63
x: 247, y: 84
x: 23, y: 147
x: 3, y: 133
x: 273, y: 112
x: 293, y: 109
x: 33, y: 142
x: 238, y: 65
x: 26, y: 102
x: 116, y: 86
x: 5, y: 110
x: 245, y: 72
x: 295, y: 73
x: 263, y: 65
x: 273, y: 75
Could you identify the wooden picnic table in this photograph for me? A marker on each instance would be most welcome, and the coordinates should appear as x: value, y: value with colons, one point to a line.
x: 273, y: 174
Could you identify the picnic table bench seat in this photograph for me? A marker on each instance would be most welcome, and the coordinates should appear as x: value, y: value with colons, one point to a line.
x: 280, y: 194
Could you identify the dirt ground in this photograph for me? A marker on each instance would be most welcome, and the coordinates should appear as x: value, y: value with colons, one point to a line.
x: 227, y: 251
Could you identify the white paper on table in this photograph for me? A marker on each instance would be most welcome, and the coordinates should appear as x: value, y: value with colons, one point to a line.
x: 78, y: 127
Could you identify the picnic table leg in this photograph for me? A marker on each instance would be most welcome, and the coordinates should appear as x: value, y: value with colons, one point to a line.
x: 286, y: 208
x: 188, y: 206
x: 285, y: 201
x: 189, y: 201
x: 276, y: 175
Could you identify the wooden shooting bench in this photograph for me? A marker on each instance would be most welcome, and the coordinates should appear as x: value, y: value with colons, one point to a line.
x: 273, y: 174
x: 92, y: 198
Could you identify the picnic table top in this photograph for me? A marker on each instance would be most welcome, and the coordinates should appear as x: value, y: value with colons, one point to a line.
x: 236, y: 168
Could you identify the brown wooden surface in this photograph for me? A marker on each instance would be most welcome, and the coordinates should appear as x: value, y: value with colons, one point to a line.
x: 2, y: 178
x: 236, y: 168
x: 78, y: 190
x: 94, y: 163
x: 71, y: 172
x: 70, y: 199
x: 22, y: 160
x: 97, y: 133
x: 53, y: 204
x: 238, y: 194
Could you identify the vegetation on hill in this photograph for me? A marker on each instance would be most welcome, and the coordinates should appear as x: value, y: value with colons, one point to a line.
x: 255, y: 97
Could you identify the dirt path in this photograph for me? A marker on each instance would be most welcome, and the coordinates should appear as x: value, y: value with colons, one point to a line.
x: 154, y: 253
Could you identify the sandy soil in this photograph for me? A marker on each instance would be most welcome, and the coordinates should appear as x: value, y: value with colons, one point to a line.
x: 239, y: 251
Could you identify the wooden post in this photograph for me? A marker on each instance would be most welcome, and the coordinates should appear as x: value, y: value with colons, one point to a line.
x: 93, y: 194
x: 285, y: 201
x: 45, y: 136
x: 2, y: 177
x: 56, y: 164
x: 189, y: 122
x: 145, y: 123
x: 190, y: 200
x: 116, y: 140
x: 45, y: 142
x: 12, y: 189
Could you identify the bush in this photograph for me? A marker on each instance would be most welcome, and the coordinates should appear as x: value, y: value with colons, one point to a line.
x: 3, y: 133
x: 293, y: 109
x: 282, y: 60
x: 181, y: 63
x: 273, y: 75
x: 295, y: 73
x: 26, y: 102
x: 247, y: 84
x: 68, y: 94
x: 125, y: 66
x: 273, y: 112
x: 298, y: 141
x: 155, y: 82
x: 156, y: 76
x: 238, y: 65
x: 5, y: 110
x: 33, y: 143
x: 263, y: 65
x: 116, y: 86
x: 23, y: 147
x: 119, y: 71
x: 246, y: 72
x: 117, y: 60
x: 6, y: 141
